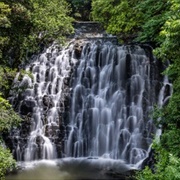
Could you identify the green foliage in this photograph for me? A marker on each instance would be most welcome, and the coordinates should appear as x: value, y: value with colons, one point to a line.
x: 127, y: 18
x: 31, y: 26
x: 6, y: 78
x: 169, y: 47
x: 8, y: 118
x: 4, y: 23
x: 7, y: 163
x: 170, y: 140
x: 49, y: 21
x: 167, y: 167
x: 81, y: 9
x: 5, y: 10
x: 20, y: 25
x: 154, y: 14
x: 118, y: 17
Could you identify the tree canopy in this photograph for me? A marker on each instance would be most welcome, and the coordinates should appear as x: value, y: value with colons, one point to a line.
x: 131, y: 19
x: 29, y: 25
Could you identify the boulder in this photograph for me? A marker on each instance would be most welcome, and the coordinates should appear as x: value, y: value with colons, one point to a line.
x: 27, y: 107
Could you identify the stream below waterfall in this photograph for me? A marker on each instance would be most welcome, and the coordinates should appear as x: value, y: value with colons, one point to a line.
x: 87, y: 109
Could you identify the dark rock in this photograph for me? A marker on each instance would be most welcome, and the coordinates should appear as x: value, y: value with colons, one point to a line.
x: 78, y: 49
x: 167, y: 90
x: 27, y: 107
x: 39, y: 140
x: 66, y: 80
x: 149, y: 161
x: 92, y: 157
x: 47, y: 101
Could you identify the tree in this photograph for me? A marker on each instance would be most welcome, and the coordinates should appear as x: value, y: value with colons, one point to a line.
x: 4, y: 24
x: 81, y: 9
x: 33, y: 25
x: 121, y: 18
x: 137, y: 20
x: 50, y: 19
x: 170, y: 49
x: 166, y: 168
x: 154, y: 16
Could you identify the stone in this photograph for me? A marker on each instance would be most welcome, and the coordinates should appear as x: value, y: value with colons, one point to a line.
x: 39, y: 140
x: 78, y: 49
x: 27, y: 107
x: 47, y: 101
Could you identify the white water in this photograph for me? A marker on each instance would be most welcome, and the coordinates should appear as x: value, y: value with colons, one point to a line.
x: 44, y: 91
x: 114, y: 92
x: 113, y: 96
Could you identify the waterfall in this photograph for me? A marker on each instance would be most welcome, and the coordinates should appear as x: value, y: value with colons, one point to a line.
x: 90, y: 99
x: 44, y: 92
x: 164, y: 96
x: 113, y: 95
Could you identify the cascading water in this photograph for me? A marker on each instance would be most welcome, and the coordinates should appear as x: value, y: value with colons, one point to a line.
x: 114, y: 89
x: 164, y: 96
x: 43, y: 101
x: 114, y: 92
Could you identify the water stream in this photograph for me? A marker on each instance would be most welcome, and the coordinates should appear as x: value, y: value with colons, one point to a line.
x: 113, y: 95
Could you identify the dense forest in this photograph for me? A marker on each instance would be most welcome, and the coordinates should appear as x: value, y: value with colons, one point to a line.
x: 27, y: 27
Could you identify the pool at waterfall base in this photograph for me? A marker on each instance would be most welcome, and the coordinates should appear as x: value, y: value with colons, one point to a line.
x: 72, y: 168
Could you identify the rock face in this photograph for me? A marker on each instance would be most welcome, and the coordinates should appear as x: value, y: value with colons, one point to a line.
x: 43, y: 103
x: 27, y: 107
x: 149, y: 161
x: 92, y: 31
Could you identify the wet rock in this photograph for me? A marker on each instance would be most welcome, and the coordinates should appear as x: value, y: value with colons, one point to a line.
x: 66, y: 80
x: 149, y: 161
x: 128, y: 66
x: 167, y: 90
x: 127, y: 175
x: 59, y: 149
x: 91, y: 157
x: 78, y: 49
x: 39, y: 140
x: 47, y: 101
x: 27, y: 106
